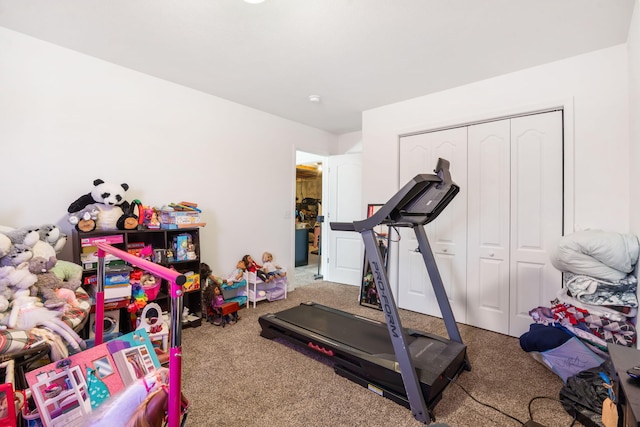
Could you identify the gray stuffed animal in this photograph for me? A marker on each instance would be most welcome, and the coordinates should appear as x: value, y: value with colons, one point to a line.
x: 48, y: 282
x: 18, y: 254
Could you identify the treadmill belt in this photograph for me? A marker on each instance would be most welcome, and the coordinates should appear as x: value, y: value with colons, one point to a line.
x: 365, y: 335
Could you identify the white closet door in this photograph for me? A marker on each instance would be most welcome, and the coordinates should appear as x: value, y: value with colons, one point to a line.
x: 447, y: 234
x: 488, y: 228
x: 536, y: 213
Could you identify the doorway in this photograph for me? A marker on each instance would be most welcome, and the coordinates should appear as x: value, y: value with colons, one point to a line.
x: 308, y: 217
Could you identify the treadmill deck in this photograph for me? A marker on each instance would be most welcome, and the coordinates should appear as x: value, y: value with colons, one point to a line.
x: 363, y: 348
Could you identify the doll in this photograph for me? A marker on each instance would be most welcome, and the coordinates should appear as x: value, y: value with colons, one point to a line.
x: 237, y: 274
x: 217, y: 303
x: 272, y: 269
x: 253, y: 267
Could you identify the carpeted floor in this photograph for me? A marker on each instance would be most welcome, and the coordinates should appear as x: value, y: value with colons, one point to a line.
x: 234, y: 377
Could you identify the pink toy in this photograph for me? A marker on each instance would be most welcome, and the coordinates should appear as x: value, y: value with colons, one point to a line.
x: 176, y: 280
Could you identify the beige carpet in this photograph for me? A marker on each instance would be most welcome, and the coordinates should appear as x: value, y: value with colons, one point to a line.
x: 234, y: 377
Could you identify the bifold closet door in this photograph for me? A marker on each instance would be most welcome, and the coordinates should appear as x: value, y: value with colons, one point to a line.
x: 514, y: 218
x: 488, y: 248
x: 536, y: 214
x: 492, y: 243
x: 446, y: 234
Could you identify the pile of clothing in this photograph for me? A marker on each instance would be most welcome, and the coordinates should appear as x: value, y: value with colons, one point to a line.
x: 596, y: 306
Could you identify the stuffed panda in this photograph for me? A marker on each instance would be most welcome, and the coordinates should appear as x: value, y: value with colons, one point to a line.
x: 109, y: 200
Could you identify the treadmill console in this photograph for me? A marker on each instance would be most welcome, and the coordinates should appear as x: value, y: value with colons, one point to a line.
x: 419, y: 202
x: 423, y: 198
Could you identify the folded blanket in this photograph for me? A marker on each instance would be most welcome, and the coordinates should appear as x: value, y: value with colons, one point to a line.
x: 588, y: 327
x: 602, y: 292
x: 617, y: 313
x: 596, y: 253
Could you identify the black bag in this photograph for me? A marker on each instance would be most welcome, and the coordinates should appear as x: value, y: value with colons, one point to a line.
x: 583, y: 394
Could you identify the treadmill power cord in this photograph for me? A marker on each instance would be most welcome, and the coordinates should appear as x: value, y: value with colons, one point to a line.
x: 529, y: 423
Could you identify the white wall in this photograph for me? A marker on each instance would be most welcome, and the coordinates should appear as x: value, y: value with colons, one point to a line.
x: 67, y: 118
x: 595, y: 86
x: 633, y: 46
x: 349, y: 143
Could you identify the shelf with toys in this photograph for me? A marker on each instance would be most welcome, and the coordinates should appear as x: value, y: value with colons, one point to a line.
x: 128, y: 289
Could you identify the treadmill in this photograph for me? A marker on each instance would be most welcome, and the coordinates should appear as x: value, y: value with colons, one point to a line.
x: 409, y: 367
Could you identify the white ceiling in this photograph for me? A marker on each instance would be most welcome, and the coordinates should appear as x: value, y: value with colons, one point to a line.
x: 355, y: 54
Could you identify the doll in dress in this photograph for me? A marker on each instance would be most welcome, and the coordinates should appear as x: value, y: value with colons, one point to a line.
x: 253, y: 267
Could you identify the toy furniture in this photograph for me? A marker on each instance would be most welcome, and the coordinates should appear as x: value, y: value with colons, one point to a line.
x: 65, y: 397
x: 151, y: 320
x: 258, y: 290
x: 228, y: 308
x: 176, y: 291
x: 236, y: 291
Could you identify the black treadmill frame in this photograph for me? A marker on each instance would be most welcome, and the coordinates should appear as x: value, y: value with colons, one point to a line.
x: 419, y: 202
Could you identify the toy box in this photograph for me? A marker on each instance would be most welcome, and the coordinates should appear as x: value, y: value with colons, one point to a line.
x: 178, y: 219
x: 192, y: 283
x: 181, y: 243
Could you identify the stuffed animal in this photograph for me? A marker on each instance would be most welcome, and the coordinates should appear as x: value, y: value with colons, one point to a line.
x: 86, y: 219
x: 48, y: 282
x: 109, y: 200
x: 68, y: 296
x: 49, y: 233
x: 27, y: 313
x: 28, y: 236
x: 17, y: 255
x: 59, y: 244
x: 5, y: 290
x: 17, y: 278
x: 5, y: 244
x: 51, y: 242
x: 67, y: 271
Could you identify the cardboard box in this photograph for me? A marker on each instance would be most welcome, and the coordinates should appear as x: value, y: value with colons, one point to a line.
x: 111, y: 292
x: 192, y: 283
x: 111, y: 240
x: 178, y: 218
x: 180, y: 249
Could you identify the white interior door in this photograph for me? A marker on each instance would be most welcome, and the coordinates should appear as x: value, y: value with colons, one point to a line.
x: 345, y: 255
x: 489, y: 231
x: 536, y: 213
x: 447, y: 233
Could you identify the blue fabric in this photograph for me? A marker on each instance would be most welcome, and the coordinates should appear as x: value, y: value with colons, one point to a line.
x: 235, y: 285
x: 240, y: 299
x: 542, y: 338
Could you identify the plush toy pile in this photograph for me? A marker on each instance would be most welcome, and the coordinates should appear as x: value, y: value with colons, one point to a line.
x: 34, y: 285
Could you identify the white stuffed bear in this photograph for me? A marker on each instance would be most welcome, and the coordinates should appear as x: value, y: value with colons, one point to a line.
x: 109, y: 200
